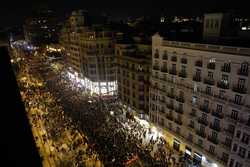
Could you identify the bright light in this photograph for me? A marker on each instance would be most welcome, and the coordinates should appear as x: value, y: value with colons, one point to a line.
x: 214, y: 165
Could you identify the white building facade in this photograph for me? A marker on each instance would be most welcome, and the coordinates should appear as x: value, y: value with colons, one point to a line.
x: 200, y: 99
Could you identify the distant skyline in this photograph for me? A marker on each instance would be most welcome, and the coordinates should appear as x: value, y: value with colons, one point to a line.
x: 14, y: 11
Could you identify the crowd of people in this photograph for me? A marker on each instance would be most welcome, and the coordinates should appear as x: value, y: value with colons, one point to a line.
x: 113, y: 137
x: 59, y: 140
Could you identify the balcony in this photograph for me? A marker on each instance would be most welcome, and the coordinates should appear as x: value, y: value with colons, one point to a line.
x: 228, y: 132
x: 239, y: 89
x: 192, y: 114
x: 174, y: 58
x: 191, y: 126
x: 164, y: 69
x: 226, y: 145
x: 204, y: 109
x: 211, y: 66
x: 156, y: 56
x: 201, y: 134
x: 226, y: 69
x: 215, y: 127
x: 164, y: 57
x: 197, y: 78
x: 217, y: 114
x: 171, y: 95
x: 222, y: 85
x: 203, y: 121
x: 178, y: 121
x: 172, y: 71
x: 169, y: 117
x: 220, y: 97
x: 179, y: 110
x: 170, y: 106
x: 180, y: 99
x: 234, y: 102
x: 156, y: 67
x: 213, y: 139
x: 184, y: 61
x: 183, y: 74
x: 209, y: 81
x: 198, y: 63
x: 243, y: 72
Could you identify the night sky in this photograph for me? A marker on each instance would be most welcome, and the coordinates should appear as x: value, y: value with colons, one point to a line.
x: 14, y: 11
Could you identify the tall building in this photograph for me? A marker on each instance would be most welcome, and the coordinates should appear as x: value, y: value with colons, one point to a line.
x: 42, y: 28
x: 90, y: 53
x: 200, y: 99
x: 133, y: 71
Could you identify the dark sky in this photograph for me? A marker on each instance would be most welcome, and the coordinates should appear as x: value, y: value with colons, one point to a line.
x: 13, y: 11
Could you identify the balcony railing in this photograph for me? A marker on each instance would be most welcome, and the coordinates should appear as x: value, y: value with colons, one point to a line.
x: 191, y: 126
x: 197, y: 78
x: 169, y: 117
x: 215, y: 127
x: 228, y: 132
x: 222, y: 85
x: 164, y: 57
x: 172, y: 71
x: 220, y: 97
x: 239, y: 89
x: 226, y: 69
x: 192, y: 114
x: 179, y: 122
x: 179, y: 110
x: 217, y: 114
x: 170, y: 106
x: 184, y: 61
x: 171, y: 95
x: 156, y: 55
x: 203, y: 121
x: 198, y: 63
x: 201, y: 133
x: 209, y: 81
x: 213, y: 139
x: 211, y: 66
x: 183, y: 74
x: 174, y: 58
x: 164, y: 69
x: 204, y: 109
x: 226, y: 145
x: 156, y: 67
x: 243, y: 72
x: 180, y: 99
x: 233, y: 101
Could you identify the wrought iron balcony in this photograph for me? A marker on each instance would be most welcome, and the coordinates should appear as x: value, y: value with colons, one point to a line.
x: 226, y: 69
x: 156, y: 55
x: 172, y: 71
x: 179, y: 110
x: 156, y: 67
x: 164, y: 69
x: 180, y: 99
x: 183, y: 74
x: 209, y: 81
x: 213, y: 139
x: 169, y: 117
x: 179, y: 122
x: 164, y: 57
x: 174, y: 58
x: 215, y: 127
x: 239, y: 89
x: 170, y: 106
x: 203, y: 121
x: 171, y: 95
x: 204, y: 109
x: 211, y: 66
x: 243, y: 72
x: 217, y: 114
x: 198, y: 63
x: 184, y: 61
x: 222, y: 85
x: 233, y: 101
x: 197, y: 78
x: 201, y: 133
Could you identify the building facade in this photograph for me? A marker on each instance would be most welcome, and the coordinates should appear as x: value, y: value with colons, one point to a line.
x: 90, y: 53
x: 133, y: 71
x: 199, y: 97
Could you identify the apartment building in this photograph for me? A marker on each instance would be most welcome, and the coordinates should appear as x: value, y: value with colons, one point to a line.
x: 133, y: 71
x: 90, y: 53
x: 200, y: 99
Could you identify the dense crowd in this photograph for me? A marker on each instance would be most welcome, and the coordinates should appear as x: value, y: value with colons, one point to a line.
x: 118, y: 139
